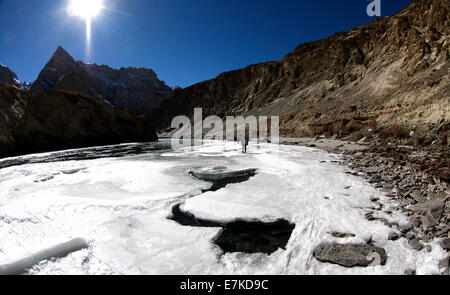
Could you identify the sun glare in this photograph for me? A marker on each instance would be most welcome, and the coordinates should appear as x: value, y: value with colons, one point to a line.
x: 85, y: 8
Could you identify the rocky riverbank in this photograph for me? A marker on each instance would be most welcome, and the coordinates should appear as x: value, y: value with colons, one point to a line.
x: 417, y: 178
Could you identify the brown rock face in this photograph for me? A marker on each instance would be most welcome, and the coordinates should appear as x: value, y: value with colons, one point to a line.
x: 394, y: 70
x: 136, y: 89
x: 8, y: 76
x: 52, y: 120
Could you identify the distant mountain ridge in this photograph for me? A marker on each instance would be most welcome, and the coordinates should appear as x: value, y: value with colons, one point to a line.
x: 136, y: 89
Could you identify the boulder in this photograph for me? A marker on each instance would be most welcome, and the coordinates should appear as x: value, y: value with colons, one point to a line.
x: 444, y: 174
x: 435, y: 208
x: 393, y: 236
x: 416, y: 244
x: 420, y: 198
x: 350, y: 255
x: 445, y: 244
x: 428, y: 222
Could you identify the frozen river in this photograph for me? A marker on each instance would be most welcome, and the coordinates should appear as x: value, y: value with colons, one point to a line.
x: 121, y: 199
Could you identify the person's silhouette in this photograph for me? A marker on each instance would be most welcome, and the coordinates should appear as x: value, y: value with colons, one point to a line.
x: 244, y: 143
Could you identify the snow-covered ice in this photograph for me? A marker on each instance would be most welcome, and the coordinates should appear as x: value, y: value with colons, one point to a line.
x: 120, y: 206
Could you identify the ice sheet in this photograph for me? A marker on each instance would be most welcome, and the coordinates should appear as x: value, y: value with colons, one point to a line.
x: 121, y: 207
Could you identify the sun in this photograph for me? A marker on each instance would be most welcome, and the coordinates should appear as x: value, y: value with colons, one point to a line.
x: 86, y: 9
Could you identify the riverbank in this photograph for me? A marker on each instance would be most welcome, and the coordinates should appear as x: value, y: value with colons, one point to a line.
x: 415, y: 178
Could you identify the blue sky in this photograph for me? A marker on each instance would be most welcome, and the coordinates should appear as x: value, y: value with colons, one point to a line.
x: 184, y: 41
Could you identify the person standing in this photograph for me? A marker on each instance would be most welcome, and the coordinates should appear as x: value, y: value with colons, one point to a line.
x: 244, y: 143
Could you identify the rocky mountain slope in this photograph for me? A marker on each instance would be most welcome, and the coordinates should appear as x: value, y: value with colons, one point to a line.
x: 52, y: 120
x: 394, y: 71
x: 8, y: 76
x: 136, y: 89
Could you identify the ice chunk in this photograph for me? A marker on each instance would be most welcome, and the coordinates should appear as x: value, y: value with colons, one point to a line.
x: 221, y: 173
x: 21, y: 266
x: 220, y: 177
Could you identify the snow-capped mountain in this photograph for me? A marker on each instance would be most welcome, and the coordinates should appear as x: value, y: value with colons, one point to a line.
x: 8, y: 76
x: 136, y: 89
x: 25, y: 86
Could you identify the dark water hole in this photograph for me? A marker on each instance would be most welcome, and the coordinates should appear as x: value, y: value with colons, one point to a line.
x: 240, y: 235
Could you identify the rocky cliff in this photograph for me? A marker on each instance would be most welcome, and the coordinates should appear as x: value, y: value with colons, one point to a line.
x: 52, y: 120
x: 392, y: 71
x: 8, y: 76
x: 136, y: 89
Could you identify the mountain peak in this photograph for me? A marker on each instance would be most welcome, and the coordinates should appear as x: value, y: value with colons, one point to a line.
x: 60, y: 50
x: 61, y: 62
x: 62, y: 53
